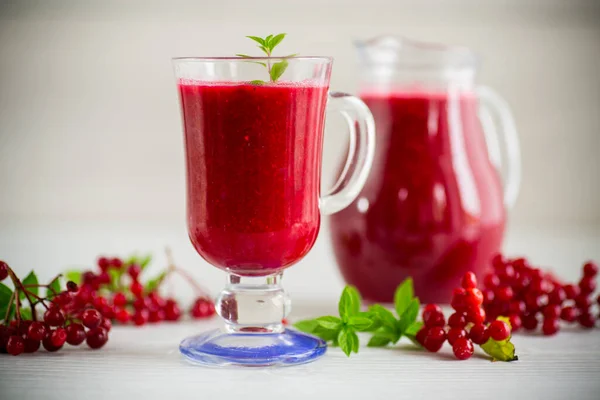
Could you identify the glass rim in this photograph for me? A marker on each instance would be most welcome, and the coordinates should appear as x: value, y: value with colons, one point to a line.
x: 264, y: 58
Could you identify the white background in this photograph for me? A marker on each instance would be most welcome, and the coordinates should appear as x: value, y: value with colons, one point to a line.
x: 90, y: 127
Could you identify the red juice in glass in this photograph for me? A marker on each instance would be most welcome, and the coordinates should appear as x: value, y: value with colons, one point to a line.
x: 432, y: 207
x: 253, y: 171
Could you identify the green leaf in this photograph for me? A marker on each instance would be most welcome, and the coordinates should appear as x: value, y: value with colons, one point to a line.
x: 134, y: 259
x: 348, y: 341
x: 389, y: 332
x: 307, y: 325
x: 413, y: 328
x: 349, y: 302
x: 257, y: 39
x: 268, y: 41
x: 266, y: 50
x: 145, y: 261
x: 25, y: 313
x: 409, y: 316
x: 384, y: 315
x: 53, y: 288
x: 290, y: 55
x: 5, y: 295
x: 258, y: 81
x: 152, y: 284
x: 278, y: 69
x: 30, y: 279
x: 403, y: 296
x: 115, y: 276
x: 276, y: 40
x: 378, y: 341
x: 329, y: 322
x: 360, y: 323
x: 74, y: 276
x: 326, y: 334
x: 500, y: 351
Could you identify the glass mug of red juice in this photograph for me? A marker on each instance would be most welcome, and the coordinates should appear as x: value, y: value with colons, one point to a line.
x: 434, y: 205
x: 253, y: 153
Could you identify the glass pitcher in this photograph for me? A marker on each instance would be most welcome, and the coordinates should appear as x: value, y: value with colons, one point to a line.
x: 434, y: 205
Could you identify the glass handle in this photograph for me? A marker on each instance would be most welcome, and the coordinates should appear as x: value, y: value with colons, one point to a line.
x: 361, y: 151
x: 492, y: 104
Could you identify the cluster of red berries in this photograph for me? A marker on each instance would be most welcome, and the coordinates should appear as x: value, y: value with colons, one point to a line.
x: 62, y: 323
x: 528, y: 296
x: 465, y: 327
x: 127, y: 301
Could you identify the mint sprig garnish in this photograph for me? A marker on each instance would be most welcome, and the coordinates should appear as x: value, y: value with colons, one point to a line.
x: 341, y: 331
x: 267, y: 45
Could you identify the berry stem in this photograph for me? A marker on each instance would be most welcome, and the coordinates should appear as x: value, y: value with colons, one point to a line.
x: 19, y: 286
x: 10, y: 302
x: 199, y: 290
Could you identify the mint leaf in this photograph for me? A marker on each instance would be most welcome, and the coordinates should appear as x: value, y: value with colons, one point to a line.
x: 307, y: 325
x: 278, y: 69
x: 378, y: 341
x: 391, y: 333
x: 409, y: 316
x: 326, y: 334
x: 403, y: 296
x: 348, y: 341
x: 413, y: 328
x: 53, y: 288
x: 276, y: 40
x: 500, y: 351
x: 257, y: 39
x: 30, y: 279
x: 258, y: 81
x: 268, y: 41
x: 349, y: 302
x: 145, y: 261
x: 329, y: 322
x: 360, y: 323
x: 385, y: 316
x: 74, y: 276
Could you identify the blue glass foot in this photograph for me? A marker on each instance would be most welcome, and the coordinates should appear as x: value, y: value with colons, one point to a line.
x: 218, y: 348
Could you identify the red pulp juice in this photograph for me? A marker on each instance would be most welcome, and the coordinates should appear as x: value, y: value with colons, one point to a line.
x: 253, y: 157
x: 432, y: 207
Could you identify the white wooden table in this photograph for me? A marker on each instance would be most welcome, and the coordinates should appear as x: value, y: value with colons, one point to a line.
x: 144, y: 363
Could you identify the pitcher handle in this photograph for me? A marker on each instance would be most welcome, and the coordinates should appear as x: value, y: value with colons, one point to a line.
x: 493, y: 104
x: 361, y: 127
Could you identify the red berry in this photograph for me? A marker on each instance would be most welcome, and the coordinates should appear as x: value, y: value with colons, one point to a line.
x: 103, y: 278
x: 515, y: 322
x: 48, y: 345
x: 455, y: 334
x: 557, y: 296
x: 530, y: 322
x: 140, y: 317
x: 469, y: 281
x: 156, y: 300
x: 106, y: 324
x: 204, y: 307
x: 479, y: 334
x: 122, y: 315
x: 488, y: 296
x: 120, y: 300
x: 3, y: 270
x: 156, y: 316
x: 598, y: 299
x: 54, y: 317
x: 421, y: 335
x: 586, y: 320
x: 506, y: 273
x: 571, y: 291
x: 475, y: 315
x: 516, y: 307
x: 91, y: 318
x: 491, y: 281
x: 521, y: 281
x: 590, y: 269
x: 103, y: 263
x: 75, y: 334
x: 136, y: 288
x: 569, y: 314
x: 504, y: 294
x: 435, y: 339
x: 459, y: 299
x: 473, y: 297
x: 116, y: 263
x: 96, y: 338
x: 551, y: 311
x: 463, y: 348
x: 72, y: 287
x: 587, y: 285
x: 457, y: 320
x: 533, y: 302
x: 58, y: 337
x: 37, y: 331
x: 583, y: 302
x: 433, y: 316
x: 550, y: 326
x: 499, y: 330
x: 134, y: 271
x: 141, y: 303
x: 498, y: 261
x: 520, y: 264
x: 172, y: 311
x: 15, y: 345
x: 99, y: 302
x: 31, y: 346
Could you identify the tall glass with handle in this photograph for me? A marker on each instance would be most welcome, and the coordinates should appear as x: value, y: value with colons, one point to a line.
x: 436, y: 200
x: 253, y: 156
